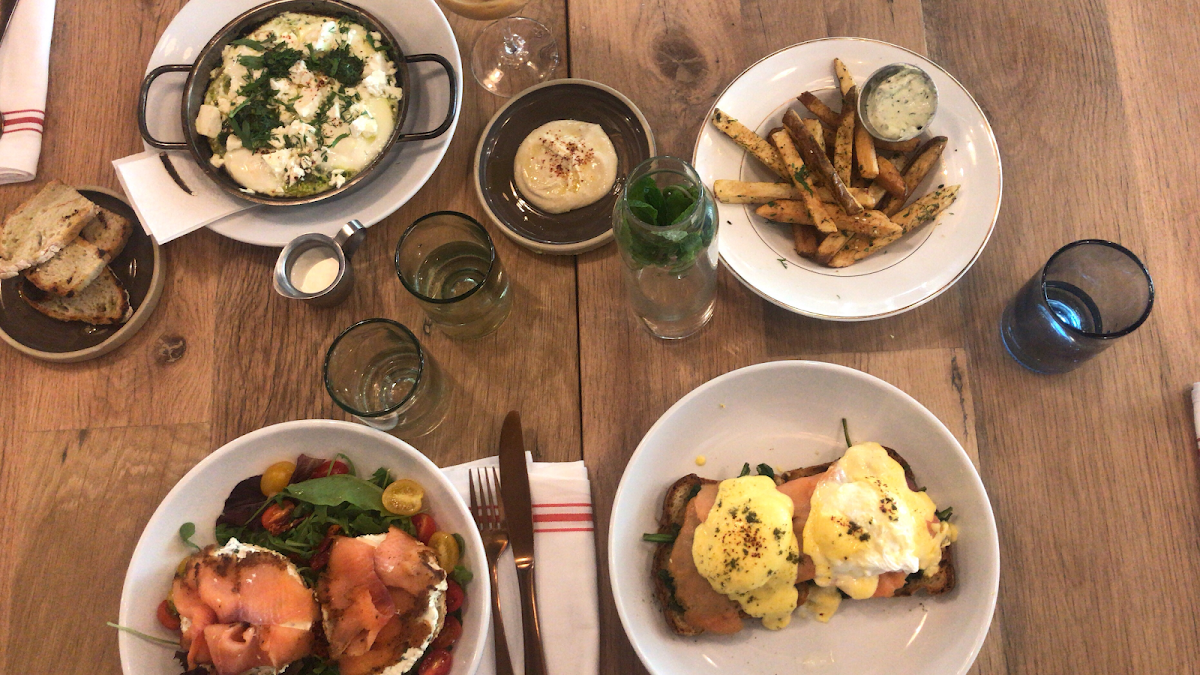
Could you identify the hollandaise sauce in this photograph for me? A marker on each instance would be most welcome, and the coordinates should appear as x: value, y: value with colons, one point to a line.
x: 747, y: 550
x: 865, y: 521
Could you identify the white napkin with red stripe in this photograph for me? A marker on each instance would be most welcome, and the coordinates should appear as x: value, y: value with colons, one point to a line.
x: 564, y: 567
x: 24, y: 78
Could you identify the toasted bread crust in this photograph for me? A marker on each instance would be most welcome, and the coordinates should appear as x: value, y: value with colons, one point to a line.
x: 675, y: 504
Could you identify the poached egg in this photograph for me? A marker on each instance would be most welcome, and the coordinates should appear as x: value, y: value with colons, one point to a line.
x: 865, y: 522
x: 747, y: 550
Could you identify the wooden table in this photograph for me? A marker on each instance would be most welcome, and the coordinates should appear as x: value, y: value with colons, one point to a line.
x: 1093, y: 475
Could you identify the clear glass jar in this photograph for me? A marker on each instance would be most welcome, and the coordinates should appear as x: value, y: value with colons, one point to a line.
x: 670, y: 268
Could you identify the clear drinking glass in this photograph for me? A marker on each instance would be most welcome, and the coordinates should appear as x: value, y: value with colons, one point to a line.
x: 447, y: 260
x: 377, y: 371
x: 671, y: 263
x: 1089, y: 293
x: 512, y: 54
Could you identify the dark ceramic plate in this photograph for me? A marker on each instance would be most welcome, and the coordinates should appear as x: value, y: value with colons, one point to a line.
x: 139, y: 270
x: 572, y: 99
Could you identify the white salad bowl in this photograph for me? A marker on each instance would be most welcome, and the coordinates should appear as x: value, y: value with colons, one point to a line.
x: 200, y: 496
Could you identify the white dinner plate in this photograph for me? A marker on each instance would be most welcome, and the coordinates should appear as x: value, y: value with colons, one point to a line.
x: 788, y: 414
x: 418, y: 25
x: 200, y: 495
x: 907, y: 274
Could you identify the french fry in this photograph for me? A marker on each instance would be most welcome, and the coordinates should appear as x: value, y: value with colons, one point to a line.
x: 848, y: 255
x: 861, y: 195
x: 830, y: 141
x: 864, y: 153
x: 877, y: 192
x: 787, y: 211
x: 889, y: 179
x: 817, y: 107
x: 743, y: 192
x: 926, y: 157
x: 845, y: 79
x: 752, y: 142
x: 817, y: 130
x: 872, y: 224
x: 897, y: 146
x: 782, y: 140
x: 804, y: 238
x: 843, y: 153
x: 830, y: 246
x: 926, y: 208
x: 816, y: 161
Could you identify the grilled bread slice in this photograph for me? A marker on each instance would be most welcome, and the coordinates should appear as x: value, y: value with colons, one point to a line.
x: 81, y: 261
x: 102, y: 302
x: 42, y: 226
x: 675, y: 503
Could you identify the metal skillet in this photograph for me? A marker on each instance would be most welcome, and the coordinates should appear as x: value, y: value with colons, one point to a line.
x: 198, y: 80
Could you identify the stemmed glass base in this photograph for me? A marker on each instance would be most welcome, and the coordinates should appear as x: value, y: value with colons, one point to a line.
x: 513, y: 54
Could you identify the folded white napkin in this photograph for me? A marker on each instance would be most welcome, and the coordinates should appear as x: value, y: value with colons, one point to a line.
x: 165, y: 209
x: 564, y: 568
x: 24, y: 76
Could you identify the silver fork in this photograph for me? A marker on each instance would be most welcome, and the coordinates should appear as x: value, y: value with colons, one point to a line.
x: 488, y: 511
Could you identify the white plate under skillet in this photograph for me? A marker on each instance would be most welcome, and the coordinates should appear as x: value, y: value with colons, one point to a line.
x: 788, y: 414
x: 906, y: 274
x: 200, y: 495
x: 419, y: 26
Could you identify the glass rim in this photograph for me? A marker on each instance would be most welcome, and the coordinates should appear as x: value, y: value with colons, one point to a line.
x: 689, y: 172
x: 445, y: 301
x: 407, y: 397
x: 1099, y: 336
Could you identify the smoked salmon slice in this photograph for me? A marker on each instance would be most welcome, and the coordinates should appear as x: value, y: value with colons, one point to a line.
x: 242, y: 607
x: 382, y: 596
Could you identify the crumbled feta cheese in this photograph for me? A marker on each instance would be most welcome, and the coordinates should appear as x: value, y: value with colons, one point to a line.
x: 208, y: 121
x: 299, y: 73
x: 307, y: 106
x: 377, y: 76
x: 364, y: 125
x: 335, y: 112
x: 233, y: 143
x: 217, y: 161
x: 337, y: 178
x: 327, y: 39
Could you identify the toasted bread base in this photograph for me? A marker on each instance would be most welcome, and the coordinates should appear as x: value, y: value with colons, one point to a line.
x: 675, y: 503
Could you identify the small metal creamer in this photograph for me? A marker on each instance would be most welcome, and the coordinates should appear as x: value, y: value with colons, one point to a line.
x: 340, y: 248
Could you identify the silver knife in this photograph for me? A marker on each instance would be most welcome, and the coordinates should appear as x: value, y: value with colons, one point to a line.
x: 518, y: 510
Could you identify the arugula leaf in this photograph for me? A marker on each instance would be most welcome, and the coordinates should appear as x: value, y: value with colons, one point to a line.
x: 337, y: 490
x: 347, y: 461
x: 149, y: 638
x: 186, y: 532
x: 382, y: 477
x: 461, y: 575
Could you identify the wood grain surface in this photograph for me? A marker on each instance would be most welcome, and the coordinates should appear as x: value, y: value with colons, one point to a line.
x: 1093, y: 475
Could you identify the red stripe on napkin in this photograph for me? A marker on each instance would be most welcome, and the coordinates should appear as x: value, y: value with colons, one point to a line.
x: 569, y: 529
x: 37, y: 121
x: 551, y: 506
x: 563, y: 518
x: 13, y: 131
x: 26, y: 110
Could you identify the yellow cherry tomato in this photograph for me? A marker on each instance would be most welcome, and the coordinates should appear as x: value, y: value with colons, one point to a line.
x: 445, y: 546
x: 276, y: 478
x: 404, y: 497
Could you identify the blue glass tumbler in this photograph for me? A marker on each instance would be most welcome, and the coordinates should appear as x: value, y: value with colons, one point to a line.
x: 1089, y: 294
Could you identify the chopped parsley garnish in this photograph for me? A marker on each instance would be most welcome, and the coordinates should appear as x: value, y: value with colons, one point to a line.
x: 337, y: 63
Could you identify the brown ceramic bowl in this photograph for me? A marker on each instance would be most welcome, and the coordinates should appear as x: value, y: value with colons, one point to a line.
x: 139, y: 268
x: 570, y: 99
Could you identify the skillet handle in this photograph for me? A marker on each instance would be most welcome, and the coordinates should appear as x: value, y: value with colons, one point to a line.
x: 453, y: 82
x: 145, y: 94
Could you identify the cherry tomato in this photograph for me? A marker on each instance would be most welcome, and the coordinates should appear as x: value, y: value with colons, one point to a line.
x: 451, y: 632
x: 436, y: 662
x: 455, y: 595
x: 277, y: 519
x: 404, y: 497
x: 170, y: 619
x: 276, y: 477
x: 330, y: 468
x: 446, y: 547
x: 425, y: 526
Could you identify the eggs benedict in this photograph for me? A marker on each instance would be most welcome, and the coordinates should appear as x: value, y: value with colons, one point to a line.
x: 759, y: 546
